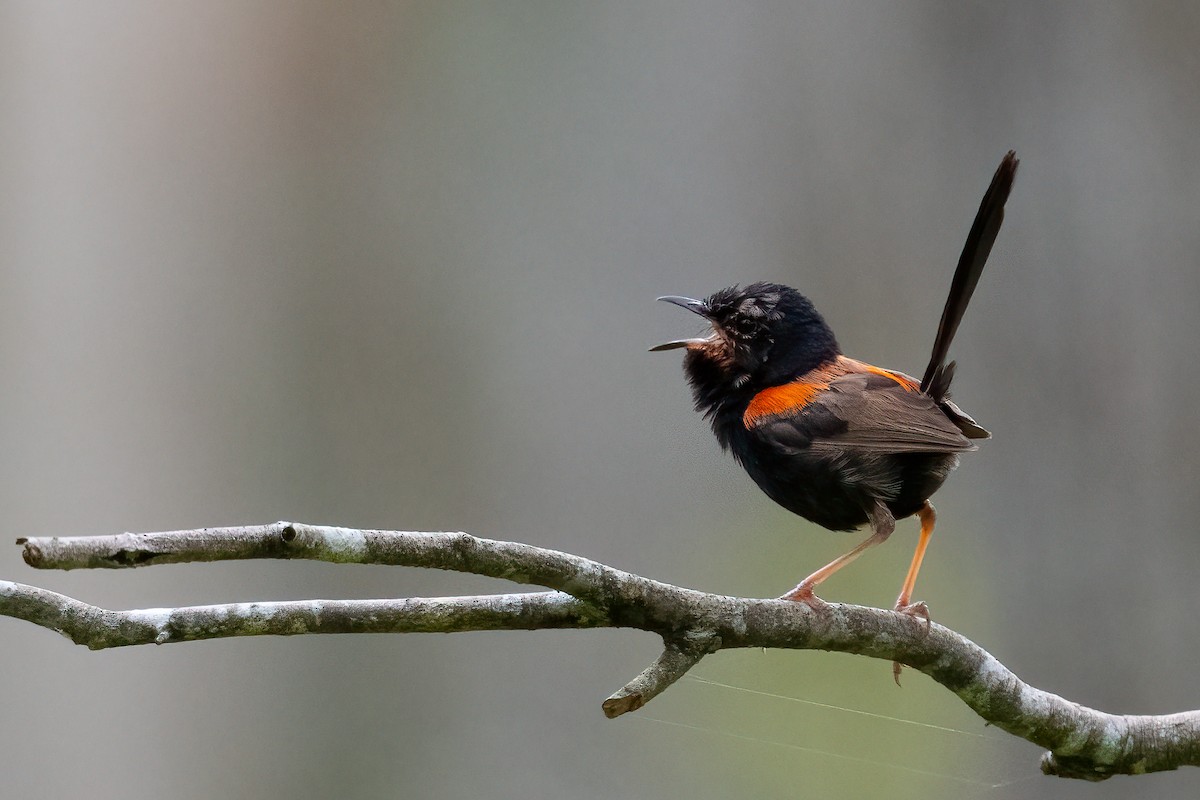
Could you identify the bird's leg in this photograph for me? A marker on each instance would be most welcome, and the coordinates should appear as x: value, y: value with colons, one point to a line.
x: 882, y: 525
x: 904, y: 602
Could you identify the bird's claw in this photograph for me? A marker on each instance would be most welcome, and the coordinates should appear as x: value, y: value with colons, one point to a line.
x: 917, y: 609
x: 803, y: 593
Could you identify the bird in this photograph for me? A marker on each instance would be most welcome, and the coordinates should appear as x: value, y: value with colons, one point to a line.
x: 838, y: 441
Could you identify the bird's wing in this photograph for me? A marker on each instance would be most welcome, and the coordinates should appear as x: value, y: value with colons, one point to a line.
x: 885, y: 416
x: 869, y: 412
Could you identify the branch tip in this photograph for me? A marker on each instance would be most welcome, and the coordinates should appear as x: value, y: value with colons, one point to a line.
x: 678, y: 656
x: 30, y: 553
x: 616, y: 706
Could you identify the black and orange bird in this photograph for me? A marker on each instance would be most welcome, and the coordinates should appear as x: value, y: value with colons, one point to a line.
x: 838, y: 441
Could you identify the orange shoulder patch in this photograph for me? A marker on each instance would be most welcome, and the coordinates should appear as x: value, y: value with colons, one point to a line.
x: 781, y: 399
x: 791, y: 397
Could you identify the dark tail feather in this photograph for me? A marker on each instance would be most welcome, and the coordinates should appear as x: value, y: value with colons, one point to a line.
x: 970, y: 265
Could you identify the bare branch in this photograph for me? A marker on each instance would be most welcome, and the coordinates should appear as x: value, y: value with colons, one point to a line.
x: 98, y: 628
x: 521, y: 563
x: 676, y: 659
x: 1083, y: 743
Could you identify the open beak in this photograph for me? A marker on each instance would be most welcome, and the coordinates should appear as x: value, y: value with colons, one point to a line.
x: 696, y: 307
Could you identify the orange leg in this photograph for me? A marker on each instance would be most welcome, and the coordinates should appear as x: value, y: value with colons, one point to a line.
x: 882, y: 524
x: 904, y: 602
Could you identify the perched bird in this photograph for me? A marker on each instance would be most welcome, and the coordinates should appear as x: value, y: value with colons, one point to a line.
x: 838, y: 441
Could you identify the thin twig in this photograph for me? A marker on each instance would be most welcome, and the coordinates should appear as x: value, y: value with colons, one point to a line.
x: 678, y: 656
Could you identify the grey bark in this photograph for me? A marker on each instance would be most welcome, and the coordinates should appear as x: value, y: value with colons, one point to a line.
x: 1082, y: 742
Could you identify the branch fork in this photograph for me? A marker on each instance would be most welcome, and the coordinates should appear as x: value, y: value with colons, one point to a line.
x: 1082, y: 742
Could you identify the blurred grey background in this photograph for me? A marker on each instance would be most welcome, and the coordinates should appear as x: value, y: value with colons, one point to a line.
x: 394, y: 265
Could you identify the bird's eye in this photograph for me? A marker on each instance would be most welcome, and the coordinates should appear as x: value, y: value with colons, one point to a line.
x: 745, y: 326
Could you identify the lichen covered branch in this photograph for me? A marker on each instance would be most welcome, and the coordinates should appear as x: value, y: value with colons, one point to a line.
x: 1083, y: 742
x: 99, y: 628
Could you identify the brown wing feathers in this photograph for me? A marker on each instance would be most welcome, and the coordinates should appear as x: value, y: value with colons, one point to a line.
x: 882, y: 411
x: 794, y: 396
x: 888, y: 419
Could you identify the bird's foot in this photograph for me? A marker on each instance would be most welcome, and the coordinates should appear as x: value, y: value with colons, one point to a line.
x: 917, y: 609
x: 803, y: 593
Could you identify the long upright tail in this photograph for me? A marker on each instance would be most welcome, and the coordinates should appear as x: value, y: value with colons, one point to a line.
x: 970, y: 265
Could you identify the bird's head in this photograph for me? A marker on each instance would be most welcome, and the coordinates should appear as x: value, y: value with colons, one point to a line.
x: 764, y: 334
